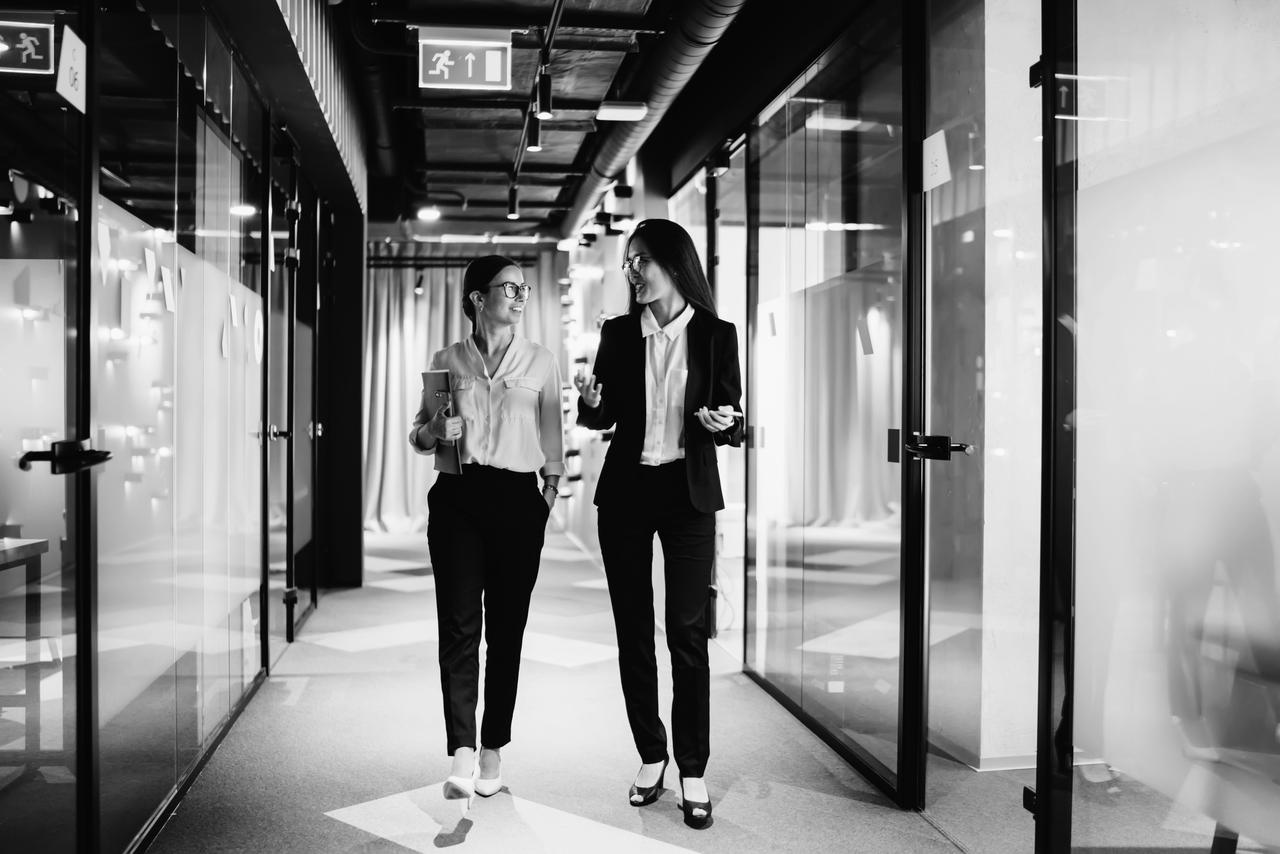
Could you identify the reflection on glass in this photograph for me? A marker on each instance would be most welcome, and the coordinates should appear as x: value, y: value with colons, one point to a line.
x: 177, y: 399
x: 983, y: 284
x: 37, y: 546
x: 1177, y: 654
x: 825, y: 534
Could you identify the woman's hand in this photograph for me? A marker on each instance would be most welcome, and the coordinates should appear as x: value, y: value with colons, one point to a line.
x: 444, y: 428
x: 715, y: 420
x: 589, y: 389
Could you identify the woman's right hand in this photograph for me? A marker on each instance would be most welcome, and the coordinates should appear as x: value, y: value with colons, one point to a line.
x: 589, y: 389
x: 444, y: 428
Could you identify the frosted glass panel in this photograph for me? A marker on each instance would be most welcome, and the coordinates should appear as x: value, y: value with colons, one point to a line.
x: 1177, y: 689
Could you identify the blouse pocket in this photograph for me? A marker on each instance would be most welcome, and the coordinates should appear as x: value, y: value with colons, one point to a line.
x: 463, y: 392
x: 520, y: 398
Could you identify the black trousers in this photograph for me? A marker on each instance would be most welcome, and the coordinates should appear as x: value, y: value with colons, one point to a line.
x: 485, y: 530
x: 661, y: 505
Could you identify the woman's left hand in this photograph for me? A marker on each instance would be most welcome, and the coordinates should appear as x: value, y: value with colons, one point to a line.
x: 549, y: 496
x: 714, y: 420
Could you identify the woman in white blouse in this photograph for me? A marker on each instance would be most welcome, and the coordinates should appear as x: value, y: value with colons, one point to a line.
x: 485, y: 526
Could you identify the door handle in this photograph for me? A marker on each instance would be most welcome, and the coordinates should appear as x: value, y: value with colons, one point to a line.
x: 936, y: 447
x: 65, y: 457
x: 275, y: 433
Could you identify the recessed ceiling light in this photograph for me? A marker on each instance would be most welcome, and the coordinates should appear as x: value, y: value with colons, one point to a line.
x: 428, y: 214
x: 242, y: 210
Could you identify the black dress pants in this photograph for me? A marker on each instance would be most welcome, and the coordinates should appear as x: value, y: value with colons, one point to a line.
x: 661, y: 505
x: 485, y: 532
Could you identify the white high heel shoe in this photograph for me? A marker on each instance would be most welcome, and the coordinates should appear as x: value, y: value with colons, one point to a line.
x: 488, y: 787
x: 457, y: 788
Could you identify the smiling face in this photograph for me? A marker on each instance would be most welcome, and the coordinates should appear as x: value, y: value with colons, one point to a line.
x: 648, y: 280
x: 495, y: 306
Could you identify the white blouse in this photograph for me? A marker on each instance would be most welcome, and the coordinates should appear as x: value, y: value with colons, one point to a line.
x: 511, y: 420
x: 666, y: 373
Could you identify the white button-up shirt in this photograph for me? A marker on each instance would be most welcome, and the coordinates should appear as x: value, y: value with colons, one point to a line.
x: 666, y: 372
x: 511, y: 420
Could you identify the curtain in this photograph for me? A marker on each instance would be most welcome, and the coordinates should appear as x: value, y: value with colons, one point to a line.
x: 401, y: 331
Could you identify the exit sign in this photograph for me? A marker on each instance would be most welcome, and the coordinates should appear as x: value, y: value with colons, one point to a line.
x: 464, y: 59
x: 26, y: 48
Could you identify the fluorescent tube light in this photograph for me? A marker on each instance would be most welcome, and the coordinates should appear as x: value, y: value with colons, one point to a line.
x: 622, y: 111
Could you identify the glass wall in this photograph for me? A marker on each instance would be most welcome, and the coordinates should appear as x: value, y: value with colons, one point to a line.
x: 1177, y: 635
x: 824, y: 517
x: 983, y: 367
x: 177, y: 372
x: 40, y: 205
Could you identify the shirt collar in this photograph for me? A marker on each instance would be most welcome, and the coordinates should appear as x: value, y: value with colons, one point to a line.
x: 649, y: 323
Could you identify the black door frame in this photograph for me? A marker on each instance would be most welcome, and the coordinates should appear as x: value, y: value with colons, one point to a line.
x: 908, y: 789
x: 1055, y: 74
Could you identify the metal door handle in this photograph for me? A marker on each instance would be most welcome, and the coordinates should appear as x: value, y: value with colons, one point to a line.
x: 936, y: 447
x: 66, y: 457
x: 275, y: 433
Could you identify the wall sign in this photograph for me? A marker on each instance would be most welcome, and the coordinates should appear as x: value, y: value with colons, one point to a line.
x: 26, y: 48
x: 464, y: 58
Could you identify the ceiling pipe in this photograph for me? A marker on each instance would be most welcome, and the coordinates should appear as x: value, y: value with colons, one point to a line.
x: 672, y: 64
x: 376, y: 89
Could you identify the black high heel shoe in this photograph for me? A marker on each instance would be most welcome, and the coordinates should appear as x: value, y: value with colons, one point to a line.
x: 647, y: 794
x: 697, y: 822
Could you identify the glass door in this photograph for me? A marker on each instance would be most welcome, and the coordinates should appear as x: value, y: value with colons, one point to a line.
x: 980, y: 447
x: 281, y: 593
x: 1164, y: 725
x: 42, y: 412
x: 290, y: 423
x: 825, y: 568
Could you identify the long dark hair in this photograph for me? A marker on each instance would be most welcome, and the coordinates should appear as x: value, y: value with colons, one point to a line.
x: 671, y: 248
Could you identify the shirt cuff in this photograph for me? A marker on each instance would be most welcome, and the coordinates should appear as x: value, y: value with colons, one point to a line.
x: 552, y: 468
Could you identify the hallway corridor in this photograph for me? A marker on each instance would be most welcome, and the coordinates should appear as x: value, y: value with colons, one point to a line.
x: 342, y: 750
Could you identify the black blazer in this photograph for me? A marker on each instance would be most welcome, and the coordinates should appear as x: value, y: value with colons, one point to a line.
x: 713, y: 380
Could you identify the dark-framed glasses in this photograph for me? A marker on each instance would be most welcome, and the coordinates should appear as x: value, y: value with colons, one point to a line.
x: 635, y: 264
x: 513, y: 288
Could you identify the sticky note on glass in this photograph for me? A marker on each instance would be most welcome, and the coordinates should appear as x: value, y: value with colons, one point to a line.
x: 166, y: 281
x: 937, y: 165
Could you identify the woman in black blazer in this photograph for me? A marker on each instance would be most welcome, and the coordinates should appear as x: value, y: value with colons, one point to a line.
x: 666, y: 377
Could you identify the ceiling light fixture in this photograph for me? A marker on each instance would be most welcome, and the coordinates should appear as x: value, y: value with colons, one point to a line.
x: 542, y: 106
x: 622, y: 111
x: 428, y: 214
x: 534, y: 140
x: 718, y: 163
x: 513, y: 202
x: 242, y: 210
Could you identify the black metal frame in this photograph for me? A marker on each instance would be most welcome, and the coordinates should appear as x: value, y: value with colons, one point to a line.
x: 82, y: 523
x: 1054, y: 747
x: 906, y: 788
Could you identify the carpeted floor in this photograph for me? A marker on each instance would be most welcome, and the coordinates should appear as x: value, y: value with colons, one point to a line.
x: 343, y: 749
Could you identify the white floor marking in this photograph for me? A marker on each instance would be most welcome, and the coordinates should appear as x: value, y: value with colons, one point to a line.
x: 878, y: 637
x: 404, y: 584
x: 376, y: 637
x: 503, y: 823
x: 563, y: 652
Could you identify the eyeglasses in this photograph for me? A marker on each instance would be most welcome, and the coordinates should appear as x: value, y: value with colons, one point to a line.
x: 635, y: 264
x: 513, y: 288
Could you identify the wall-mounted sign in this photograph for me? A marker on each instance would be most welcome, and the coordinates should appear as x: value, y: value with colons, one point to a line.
x: 464, y: 58
x: 26, y: 48
x: 71, y: 69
